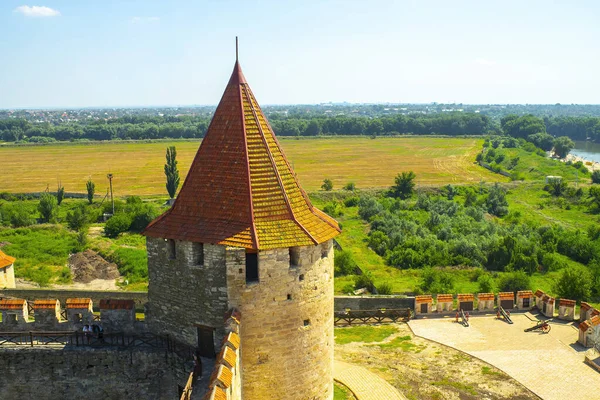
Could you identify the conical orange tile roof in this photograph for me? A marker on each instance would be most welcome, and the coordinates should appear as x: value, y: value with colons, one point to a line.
x: 240, y: 189
x: 5, y: 260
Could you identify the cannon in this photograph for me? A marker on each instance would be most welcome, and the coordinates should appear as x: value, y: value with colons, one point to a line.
x: 504, y: 313
x: 544, y: 326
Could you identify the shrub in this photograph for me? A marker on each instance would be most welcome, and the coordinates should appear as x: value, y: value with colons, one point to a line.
x: 496, y: 201
x: 327, y: 185
x: 17, y: 214
x: 404, y: 185
x: 350, y: 186
x: 514, y: 281
x: 348, y: 289
x: 384, y: 288
x: 485, y: 283
x: 48, y: 207
x: 596, y: 176
x: 117, y: 224
x: 574, y: 283
x: 334, y: 209
x: 553, y: 262
x: 351, y: 201
x: 344, y: 263
x: 436, y: 281
x: 77, y: 218
x: 365, y: 281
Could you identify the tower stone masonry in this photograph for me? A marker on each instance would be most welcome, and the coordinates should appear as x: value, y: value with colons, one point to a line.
x: 243, y: 234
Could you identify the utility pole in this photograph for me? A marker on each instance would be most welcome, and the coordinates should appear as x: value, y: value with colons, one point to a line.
x: 112, y: 200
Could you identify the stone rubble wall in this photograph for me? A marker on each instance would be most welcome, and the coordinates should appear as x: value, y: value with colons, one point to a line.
x: 86, y: 373
x: 182, y: 294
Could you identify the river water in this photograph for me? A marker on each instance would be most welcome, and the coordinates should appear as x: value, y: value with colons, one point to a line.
x: 588, y: 150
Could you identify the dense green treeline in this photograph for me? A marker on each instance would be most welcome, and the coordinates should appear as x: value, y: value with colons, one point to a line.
x: 140, y: 127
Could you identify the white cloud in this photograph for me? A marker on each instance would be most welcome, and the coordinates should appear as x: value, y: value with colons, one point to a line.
x: 141, y: 20
x: 483, y: 61
x: 37, y: 11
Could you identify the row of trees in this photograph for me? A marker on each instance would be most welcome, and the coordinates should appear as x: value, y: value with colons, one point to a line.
x: 543, y: 131
x: 190, y: 126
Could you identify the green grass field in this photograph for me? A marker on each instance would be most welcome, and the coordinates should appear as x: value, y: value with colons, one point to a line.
x: 138, y: 167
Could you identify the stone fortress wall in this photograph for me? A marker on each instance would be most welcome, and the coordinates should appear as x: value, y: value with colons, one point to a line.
x: 49, y: 373
x: 140, y: 298
x: 287, y: 333
x: 183, y: 293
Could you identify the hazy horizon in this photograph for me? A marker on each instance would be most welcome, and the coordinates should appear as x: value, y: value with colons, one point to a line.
x: 64, y: 54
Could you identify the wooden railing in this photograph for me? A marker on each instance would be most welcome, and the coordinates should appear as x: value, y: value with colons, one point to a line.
x: 187, y: 390
x: 349, y: 317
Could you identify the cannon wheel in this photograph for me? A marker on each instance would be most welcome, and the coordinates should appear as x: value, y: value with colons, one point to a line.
x: 546, y: 328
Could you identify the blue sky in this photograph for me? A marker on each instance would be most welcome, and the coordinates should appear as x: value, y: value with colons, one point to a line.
x: 84, y: 53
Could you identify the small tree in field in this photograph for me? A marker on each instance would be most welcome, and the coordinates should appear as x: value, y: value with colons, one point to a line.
x: 327, y: 185
x: 596, y: 176
x: 405, y: 185
x: 91, y: 188
x: 557, y: 186
x: 60, y: 193
x: 172, y: 172
x: 48, y: 207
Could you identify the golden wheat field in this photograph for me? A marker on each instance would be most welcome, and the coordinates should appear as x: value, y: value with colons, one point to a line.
x: 138, y: 167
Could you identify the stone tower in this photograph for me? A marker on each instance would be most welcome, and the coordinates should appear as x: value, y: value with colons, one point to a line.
x: 243, y: 234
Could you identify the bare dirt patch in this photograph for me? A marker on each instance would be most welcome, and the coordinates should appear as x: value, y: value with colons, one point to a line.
x: 422, y: 369
x: 89, y: 265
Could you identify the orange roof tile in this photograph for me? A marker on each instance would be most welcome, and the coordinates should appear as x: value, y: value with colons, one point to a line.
x: 506, y: 295
x: 112, y: 304
x: 524, y: 294
x: 486, y: 296
x: 79, y: 302
x: 567, y: 303
x: 5, y: 260
x: 228, y: 356
x: 445, y: 297
x: 585, y: 306
x: 215, y: 393
x: 221, y: 376
x: 465, y: 297
x: 547, y: 299
x: 12, y: 304
x: 539, y: 293
x: 49, y: 304
x: 595, y: 320
x: 595, y: 312
x: 234, y: 314
x: 240, y: 189
x: 426, y: 298
x: 233, y: 339
x: 584, y: 326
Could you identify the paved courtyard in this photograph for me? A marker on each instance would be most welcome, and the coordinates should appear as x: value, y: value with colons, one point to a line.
x: 551, y: 365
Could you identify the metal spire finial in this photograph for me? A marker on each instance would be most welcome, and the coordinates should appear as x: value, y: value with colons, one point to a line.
x: 236, y: 48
